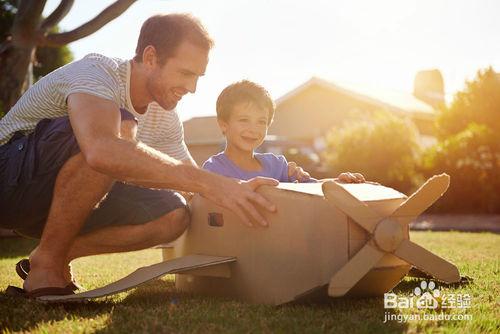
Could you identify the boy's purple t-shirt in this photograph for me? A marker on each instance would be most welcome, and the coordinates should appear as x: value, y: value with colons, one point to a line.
x: 274, y: 166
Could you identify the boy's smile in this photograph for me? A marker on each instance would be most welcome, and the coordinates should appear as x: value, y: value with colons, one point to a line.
x: 250, y: 139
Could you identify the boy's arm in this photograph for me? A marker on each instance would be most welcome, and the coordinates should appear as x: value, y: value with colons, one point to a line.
x: 301, y: 175
x: 96, y: 125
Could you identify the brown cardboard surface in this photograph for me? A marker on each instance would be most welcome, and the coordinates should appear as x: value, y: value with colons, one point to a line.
x: 388, y: 236
x: 300, y: 249
x: 378, y: 281
x: 145, y: 274
x: 366, y: 192
x: 354, y: 270
x: 428, y: 262
x: 309, y: 240
x: 382, y: 200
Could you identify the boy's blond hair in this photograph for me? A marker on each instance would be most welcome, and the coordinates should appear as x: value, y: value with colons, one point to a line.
x: 244, y: 92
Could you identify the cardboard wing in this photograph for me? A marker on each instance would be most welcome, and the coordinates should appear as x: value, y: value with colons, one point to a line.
x: 146, y: 274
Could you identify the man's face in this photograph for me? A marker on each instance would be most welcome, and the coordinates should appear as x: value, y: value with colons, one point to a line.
x: 178, y: 76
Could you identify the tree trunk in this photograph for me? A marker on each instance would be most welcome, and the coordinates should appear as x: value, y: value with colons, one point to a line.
x: 14, y: 65
x: 16, y: 52
x: 27, y: 34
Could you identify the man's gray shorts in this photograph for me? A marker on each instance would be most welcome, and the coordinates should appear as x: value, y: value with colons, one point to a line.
x: 28, y: 170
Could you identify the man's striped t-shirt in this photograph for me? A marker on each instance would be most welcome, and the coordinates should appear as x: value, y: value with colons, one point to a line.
x: 101, y: 76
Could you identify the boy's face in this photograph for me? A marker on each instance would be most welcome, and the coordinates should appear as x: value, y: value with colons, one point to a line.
x: 246, y: 127
x: 168, y: 83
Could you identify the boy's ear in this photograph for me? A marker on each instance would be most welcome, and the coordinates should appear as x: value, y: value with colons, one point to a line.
x: 222, y: 126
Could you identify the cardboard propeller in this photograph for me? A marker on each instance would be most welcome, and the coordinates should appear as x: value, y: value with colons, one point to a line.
x: 388, y: 235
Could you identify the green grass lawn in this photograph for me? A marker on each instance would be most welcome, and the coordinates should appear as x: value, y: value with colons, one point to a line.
x: 157, y: 308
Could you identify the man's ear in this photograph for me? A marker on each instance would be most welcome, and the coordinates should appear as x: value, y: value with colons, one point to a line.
x: 222, y: 126
x: 149, y: 56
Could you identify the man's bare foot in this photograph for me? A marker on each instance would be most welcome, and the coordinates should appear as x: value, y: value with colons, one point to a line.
x: 45, y: 272
x: 40, y: 277
x: 67, y: 271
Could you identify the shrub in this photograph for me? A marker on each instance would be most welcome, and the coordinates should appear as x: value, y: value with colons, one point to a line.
x: 479, y: 103
x: 383, y: 148
x: 469, y: 147
x: 472, y: 159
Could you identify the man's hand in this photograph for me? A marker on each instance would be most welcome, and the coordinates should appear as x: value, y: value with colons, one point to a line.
x: 187, y: 195
x: 297, y: 173
x: 350, y: 178
x: 241, y: 198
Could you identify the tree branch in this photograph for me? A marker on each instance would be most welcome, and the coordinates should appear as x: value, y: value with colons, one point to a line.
x: 107, y: 15
x: 26, y: 22
x: 57, y: 15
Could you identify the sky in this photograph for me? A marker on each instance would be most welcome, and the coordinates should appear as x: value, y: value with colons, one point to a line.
x: 283, y: 43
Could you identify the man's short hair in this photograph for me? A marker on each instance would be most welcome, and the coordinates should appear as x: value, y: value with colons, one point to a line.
x: 166, y: 32
x: 244, y: 92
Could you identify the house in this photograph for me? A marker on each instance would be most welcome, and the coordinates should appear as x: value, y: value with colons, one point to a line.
x: 306, y: 114
x: 203, y: 137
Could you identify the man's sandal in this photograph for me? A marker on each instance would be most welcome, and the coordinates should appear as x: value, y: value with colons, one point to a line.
x: 50, y: 291
x: 23, y: 268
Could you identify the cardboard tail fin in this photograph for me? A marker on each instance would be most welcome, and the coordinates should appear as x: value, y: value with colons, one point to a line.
x: 145, y: 274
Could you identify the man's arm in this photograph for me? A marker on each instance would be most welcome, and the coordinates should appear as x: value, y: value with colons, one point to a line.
x: 190, y: 160
x: 96, y: 124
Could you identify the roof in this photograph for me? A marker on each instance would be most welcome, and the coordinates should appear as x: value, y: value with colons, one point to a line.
x: 205, y: 130
x: 202, y: 130
x: 386, y: 99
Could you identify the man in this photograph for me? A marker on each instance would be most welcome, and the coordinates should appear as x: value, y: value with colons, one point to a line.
x: 87, y: 155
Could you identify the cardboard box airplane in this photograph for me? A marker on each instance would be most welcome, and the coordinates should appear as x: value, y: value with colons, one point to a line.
x: 326, y: 239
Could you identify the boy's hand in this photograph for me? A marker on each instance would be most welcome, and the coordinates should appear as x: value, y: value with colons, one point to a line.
x: 350, y: 178
x: 241, y: 198
x: 297, y: 173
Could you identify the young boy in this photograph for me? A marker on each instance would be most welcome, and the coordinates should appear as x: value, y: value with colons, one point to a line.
x: 245, y: 111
